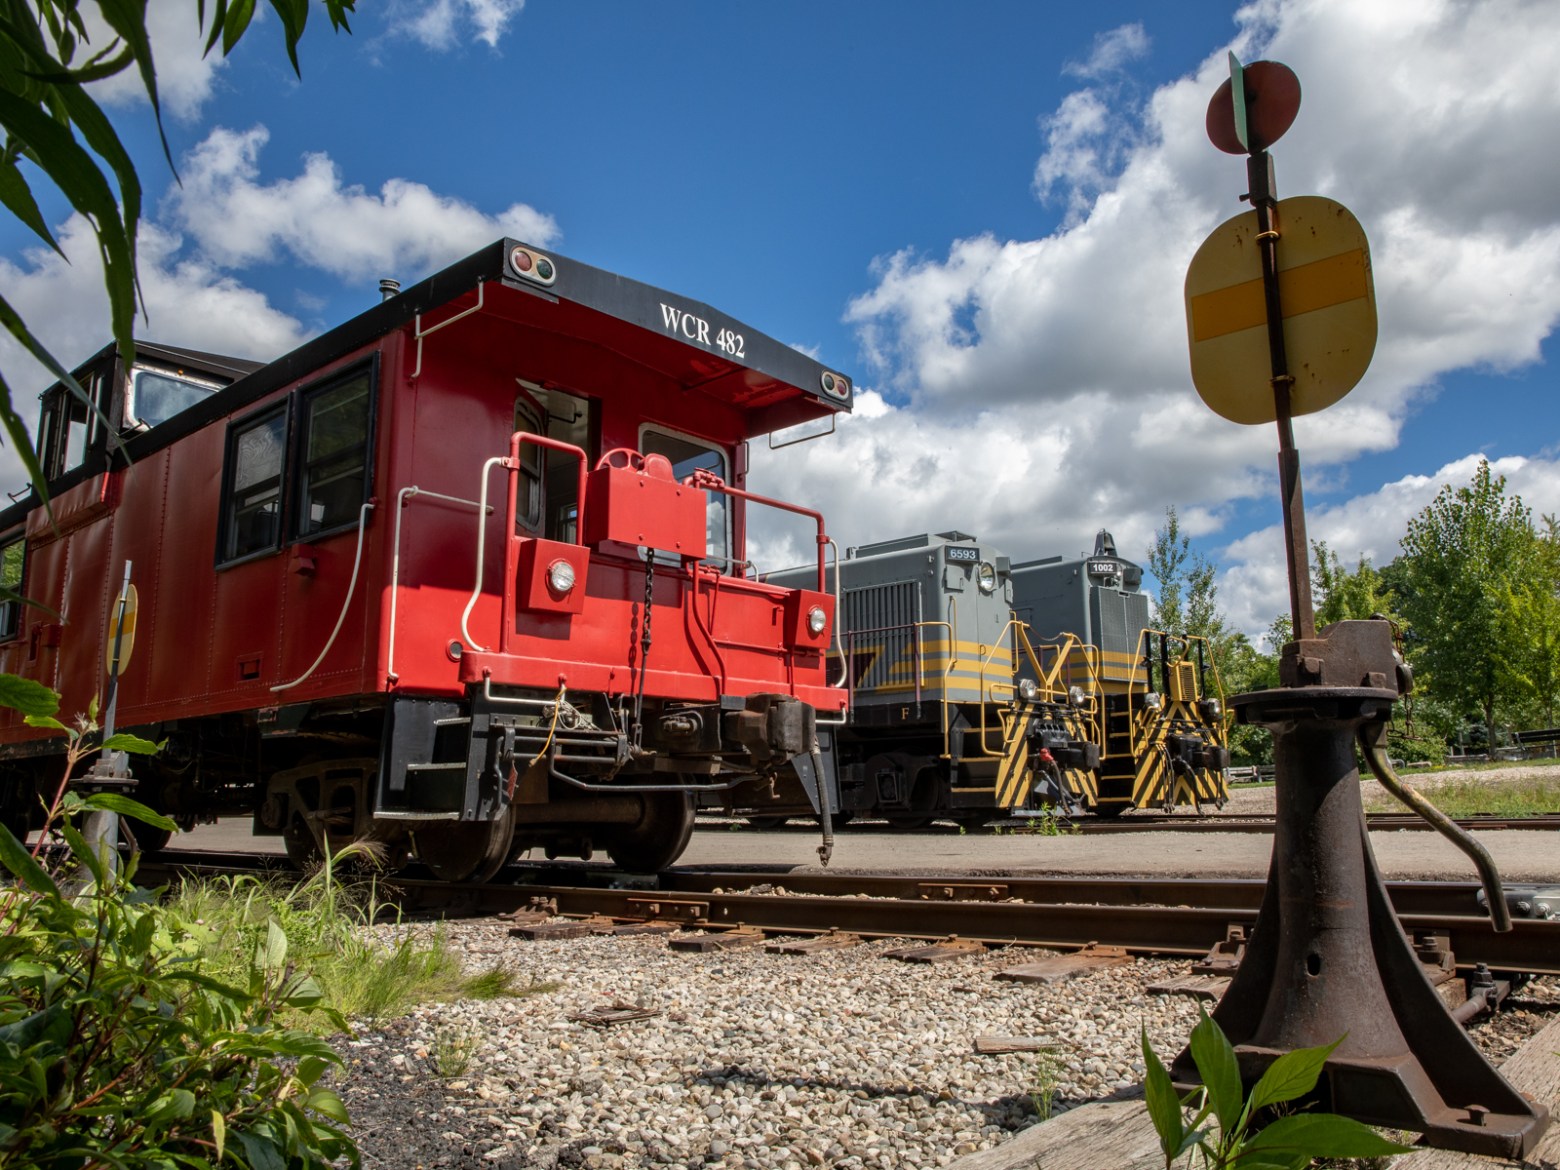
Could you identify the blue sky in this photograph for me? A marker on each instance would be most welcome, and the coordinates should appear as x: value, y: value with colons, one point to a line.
x: 982, y: 211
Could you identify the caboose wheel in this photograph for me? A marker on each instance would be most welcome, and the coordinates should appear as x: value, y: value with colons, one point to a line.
x: 766, y: 823
x: 466, y: 851
x: 660, y: 836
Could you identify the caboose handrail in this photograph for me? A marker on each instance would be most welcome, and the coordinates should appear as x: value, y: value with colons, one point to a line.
x: 511, y: 463
x: 710, y: 482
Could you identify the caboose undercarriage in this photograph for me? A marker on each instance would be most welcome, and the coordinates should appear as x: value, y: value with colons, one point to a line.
x: 463, y: 786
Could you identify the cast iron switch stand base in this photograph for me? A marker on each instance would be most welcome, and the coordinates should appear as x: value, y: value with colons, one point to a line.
x: 1327, y: 957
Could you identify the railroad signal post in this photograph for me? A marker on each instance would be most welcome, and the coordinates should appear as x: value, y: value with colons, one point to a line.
x: 1281, y: 321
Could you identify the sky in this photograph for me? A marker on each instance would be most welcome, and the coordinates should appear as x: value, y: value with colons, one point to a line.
x: 983, y: 212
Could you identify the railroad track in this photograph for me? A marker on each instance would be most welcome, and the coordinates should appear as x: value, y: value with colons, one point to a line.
x: 1144, y: 822
x: 1144, y: 916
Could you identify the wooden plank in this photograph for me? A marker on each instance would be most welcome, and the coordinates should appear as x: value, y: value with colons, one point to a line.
x: 834, y: 940
x: 1059, y: 967
x: 1196, y: 986
x: 952, y: 947
x: 729, y: 940
x: 1115, y: 1134
x: 990, y: 1045
x: 1535, y: 1070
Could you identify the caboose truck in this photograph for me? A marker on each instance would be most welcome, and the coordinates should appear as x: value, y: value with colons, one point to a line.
x: 465, y: 575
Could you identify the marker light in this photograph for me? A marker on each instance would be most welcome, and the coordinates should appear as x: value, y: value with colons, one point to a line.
x: 560, y: 577
x: 533, y: 266
x: 816, y: 620
x: 835, y: 385
x: 1153, y: 701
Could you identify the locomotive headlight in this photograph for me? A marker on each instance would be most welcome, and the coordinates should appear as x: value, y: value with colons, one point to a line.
x: 1153, y: 701
x: 816, y: 620
x: 1211, y: 709
x: 987, y: 577
x: 1028, y: 690
x: 1078, y: 697
x: 560, y: 577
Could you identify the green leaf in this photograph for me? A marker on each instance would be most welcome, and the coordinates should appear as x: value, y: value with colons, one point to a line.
x: 125, y: 806
x: 294, y: 14
x: 134, y: 744
x: 1292, y: 1075
x: 261, y: 1152
x: 27, y: 696
x: 17, y: 197
x: 50, y: 722
x: 1317, y: 1135
x: 1220, y: 1072
x: 239, y: 14
x: 328, y: 1104
x: 14, y: 856
x: 271, y: 954
x: 1164, y: 1107
x: 219, y: 1132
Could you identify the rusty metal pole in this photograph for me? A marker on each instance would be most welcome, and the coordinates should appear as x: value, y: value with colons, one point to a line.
x: 1263, y: 193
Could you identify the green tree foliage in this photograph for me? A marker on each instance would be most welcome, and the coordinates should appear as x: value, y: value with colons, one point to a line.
x: 56, y: 132
x: 1345, y: 594
x: 1535, y: 616
x: 1469, y: 559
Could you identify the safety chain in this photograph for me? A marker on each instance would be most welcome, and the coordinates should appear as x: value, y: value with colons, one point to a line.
x: 644, y: 649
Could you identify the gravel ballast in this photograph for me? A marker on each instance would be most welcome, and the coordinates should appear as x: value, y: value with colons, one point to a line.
x: 755, y: 1060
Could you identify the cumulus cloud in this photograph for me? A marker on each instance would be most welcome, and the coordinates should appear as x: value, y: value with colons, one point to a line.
x: 185, y: 73
x: 1113, y: 50
x: 317, y: 219
x: 223, y: 220
x: 443, y: 24
x: 1426, y: 117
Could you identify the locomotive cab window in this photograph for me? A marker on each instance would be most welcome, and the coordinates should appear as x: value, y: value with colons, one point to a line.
x: 688, y: 455
x: 13, y: 559
x: 252, y: 493
x: 333, y: 455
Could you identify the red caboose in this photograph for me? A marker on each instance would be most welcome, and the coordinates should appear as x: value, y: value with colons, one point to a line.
x: 465, y: 575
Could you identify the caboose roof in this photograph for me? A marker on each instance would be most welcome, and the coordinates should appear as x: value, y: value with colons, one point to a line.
x: 774, y: 385
x: 770, y: 384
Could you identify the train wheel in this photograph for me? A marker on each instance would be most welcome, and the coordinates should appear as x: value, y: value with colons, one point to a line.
x: 766, y: 822
x: 908, y: 824
x: 466, y: 851
x: 148, y: 838
x: 659, y: 838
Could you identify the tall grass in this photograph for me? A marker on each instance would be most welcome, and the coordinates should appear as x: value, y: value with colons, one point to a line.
x: 326, y: 922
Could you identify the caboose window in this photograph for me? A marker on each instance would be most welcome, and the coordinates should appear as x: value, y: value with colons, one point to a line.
x: 158, y: 395
x: 688, y: 455
x: 252, y: 519
x: 333, y: 462
x: 13, y: 558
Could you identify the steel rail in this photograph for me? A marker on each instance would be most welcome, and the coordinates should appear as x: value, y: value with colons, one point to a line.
x: 1170, y: 917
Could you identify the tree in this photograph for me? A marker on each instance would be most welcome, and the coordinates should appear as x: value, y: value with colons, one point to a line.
x: 1535, y: 619
x: 1465, y: 558
x: 46, y: 64
x: 1187, y: 601
x: 1346, y: 594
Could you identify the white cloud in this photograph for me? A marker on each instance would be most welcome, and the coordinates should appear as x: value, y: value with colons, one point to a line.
x: 1428, y: 118
x: 442, y: 24
x: 322, y: 222
x: 1113, y: 50
x: 185, y: 74
x: 220, y: 221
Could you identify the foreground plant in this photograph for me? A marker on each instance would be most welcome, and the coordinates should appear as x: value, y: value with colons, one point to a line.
x: 117, y: 1050
x: 1226, y: 1127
